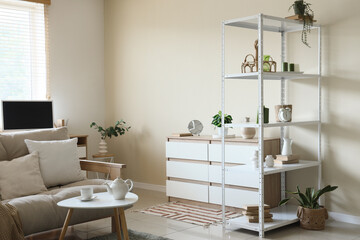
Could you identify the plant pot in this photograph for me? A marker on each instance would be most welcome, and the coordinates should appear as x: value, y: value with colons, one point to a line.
x: 299, y: 8
x: 312, y: 219
x: 225, y: 131
x: 102, y: 147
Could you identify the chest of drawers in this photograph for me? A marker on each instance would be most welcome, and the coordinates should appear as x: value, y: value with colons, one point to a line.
x: 193, y: 170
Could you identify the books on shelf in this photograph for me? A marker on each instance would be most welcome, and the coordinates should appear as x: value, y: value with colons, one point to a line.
x: 286, y: 159
x: 252, y: 213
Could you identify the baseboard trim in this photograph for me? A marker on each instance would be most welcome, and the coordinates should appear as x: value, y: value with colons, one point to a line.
x: 341, y: 217
x: 148, y: 186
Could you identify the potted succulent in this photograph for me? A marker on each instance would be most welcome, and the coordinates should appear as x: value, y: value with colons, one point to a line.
x: 118, y: 129
x: 217, y: 121
x: 312, y: 216
x: 306, y: 14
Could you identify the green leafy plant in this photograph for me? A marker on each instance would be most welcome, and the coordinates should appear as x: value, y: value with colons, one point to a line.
x: 119, y: 129
x: 310, y: 198
x: 304, y: 10
x: 217, y: 119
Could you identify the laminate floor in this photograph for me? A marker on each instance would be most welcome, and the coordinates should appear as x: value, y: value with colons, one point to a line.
x: 183, y: 231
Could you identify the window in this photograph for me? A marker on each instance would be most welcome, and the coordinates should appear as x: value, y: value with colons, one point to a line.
x: 23, y: 52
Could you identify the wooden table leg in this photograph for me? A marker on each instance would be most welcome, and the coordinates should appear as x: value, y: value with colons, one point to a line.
x: 117, y: 223
x: 66, y: 224
x: 123, y: 224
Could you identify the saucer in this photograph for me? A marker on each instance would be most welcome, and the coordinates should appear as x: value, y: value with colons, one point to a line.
x: 85, y: 200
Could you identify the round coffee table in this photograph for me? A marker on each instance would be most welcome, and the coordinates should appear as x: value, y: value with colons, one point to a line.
x: 101, y: 201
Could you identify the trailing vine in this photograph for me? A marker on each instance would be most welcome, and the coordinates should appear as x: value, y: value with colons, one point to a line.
x: 304, y: 10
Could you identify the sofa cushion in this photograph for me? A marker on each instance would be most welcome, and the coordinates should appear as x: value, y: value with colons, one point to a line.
x: 59, y: 163
x: 40, y: 212
x: 14, y: 144
x: 21, y: 177
x: 3, y: 154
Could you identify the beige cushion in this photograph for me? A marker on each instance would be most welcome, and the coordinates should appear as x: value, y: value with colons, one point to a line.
x: 21, y: 177
x: 3, y: 154
x: 14, y: 142
x: 59, y: 163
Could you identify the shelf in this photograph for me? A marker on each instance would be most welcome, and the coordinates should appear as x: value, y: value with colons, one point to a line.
x: 270, y: 23
x: 271, y: 76
x: 269, y: 125
x: 282, y: 216
x: 276, y: 169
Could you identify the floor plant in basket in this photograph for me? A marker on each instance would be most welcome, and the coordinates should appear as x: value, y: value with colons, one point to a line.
x: 311, y: 214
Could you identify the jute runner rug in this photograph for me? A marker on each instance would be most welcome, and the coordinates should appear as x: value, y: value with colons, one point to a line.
x: 189, y: 213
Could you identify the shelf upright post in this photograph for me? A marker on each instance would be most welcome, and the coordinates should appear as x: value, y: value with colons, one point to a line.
x: 322, y: 201
x: 261, y: 125
x: 282, y: 102
x: 223, y: 126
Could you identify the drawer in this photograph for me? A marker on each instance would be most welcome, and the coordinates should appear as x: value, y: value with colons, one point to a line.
x: 187, y: 170
x: 233, y: 197
x: 192, y: 191
x: 233, y: 153
x: 81, y: 151
x: 234, y: 176
x: 187, y: 150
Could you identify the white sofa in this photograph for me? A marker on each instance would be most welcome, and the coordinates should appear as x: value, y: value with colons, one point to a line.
x: 39, y: 211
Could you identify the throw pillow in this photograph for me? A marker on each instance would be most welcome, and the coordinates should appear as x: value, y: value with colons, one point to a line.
x: 21, y: 177
x: 59, y: 162
x: 14, y: 144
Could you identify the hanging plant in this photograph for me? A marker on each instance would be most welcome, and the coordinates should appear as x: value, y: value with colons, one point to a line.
x: 306, y: 14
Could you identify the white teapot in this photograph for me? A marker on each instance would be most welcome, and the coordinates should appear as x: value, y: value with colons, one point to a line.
x: 119, y: 188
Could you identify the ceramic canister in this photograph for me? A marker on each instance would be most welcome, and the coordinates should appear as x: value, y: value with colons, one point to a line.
x: 247, y: 132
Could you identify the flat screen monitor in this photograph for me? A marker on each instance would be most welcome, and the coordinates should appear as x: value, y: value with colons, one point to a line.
x: 27, y: 114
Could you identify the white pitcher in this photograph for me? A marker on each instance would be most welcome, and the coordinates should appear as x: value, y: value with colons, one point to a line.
x: 286, y: 149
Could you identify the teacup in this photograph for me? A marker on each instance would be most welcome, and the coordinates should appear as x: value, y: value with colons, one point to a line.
x: 86, y: 193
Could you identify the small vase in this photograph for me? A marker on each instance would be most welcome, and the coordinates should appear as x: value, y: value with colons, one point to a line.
x: 269, y: 161
x: 247, y: 132
x: 255, y: 160
x: 225, y: 131
x: 102, y: 147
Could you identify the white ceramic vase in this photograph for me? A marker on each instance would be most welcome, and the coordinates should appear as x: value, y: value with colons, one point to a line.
x: 102, y: 147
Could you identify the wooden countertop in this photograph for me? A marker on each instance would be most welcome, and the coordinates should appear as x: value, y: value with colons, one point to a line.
x: 210, y: 138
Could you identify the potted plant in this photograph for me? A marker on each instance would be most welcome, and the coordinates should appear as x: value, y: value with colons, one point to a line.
x: 312, y: 216
x: 306, y: 14
x: 118, y: 129
x: 217, y: 122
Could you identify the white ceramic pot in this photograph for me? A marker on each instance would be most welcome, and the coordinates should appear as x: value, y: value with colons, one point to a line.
x: 102, y: 147
x: 225, y: 131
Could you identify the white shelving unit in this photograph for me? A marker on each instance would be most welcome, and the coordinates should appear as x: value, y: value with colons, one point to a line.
x: 286, y: 214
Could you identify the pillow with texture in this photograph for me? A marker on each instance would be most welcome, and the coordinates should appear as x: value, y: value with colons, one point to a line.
x: 13, y: 142
x: 59, y: 162
x: 21, y: 177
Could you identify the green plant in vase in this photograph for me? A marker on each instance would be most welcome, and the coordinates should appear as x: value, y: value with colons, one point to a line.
x: 305, y: 12
x: 113, y: 131
x: 217, y: 121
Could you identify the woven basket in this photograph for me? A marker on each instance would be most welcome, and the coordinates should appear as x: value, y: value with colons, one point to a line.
x: 312, y: 219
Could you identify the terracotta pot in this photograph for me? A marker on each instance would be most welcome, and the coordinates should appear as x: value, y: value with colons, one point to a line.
x: 312, y: 219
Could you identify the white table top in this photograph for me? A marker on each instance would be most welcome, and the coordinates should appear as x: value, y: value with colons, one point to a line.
x: 102, y: 200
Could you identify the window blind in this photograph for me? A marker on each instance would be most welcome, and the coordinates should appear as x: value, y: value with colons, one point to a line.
x: 23, y: 51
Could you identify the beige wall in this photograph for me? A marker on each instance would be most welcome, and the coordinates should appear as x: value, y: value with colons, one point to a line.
x: 163, y: 68
x: 77, y: 64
